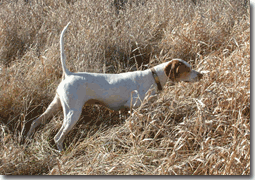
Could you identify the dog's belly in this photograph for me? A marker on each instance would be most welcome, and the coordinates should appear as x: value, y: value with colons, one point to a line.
x: 113, y: 105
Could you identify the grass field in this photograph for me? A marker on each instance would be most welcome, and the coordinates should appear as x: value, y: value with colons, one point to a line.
x: 200, y: 128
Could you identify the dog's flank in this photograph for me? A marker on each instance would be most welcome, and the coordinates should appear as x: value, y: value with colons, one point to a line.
x: 110, y: 90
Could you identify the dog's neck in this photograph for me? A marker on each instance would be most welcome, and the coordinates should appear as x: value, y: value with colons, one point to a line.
x: 161, y: 74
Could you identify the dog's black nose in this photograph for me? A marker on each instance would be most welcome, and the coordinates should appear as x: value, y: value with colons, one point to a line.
x: 200, y: 76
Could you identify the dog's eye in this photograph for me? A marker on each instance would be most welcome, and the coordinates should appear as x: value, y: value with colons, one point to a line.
x: 183, y: 69
x: 187, y: 69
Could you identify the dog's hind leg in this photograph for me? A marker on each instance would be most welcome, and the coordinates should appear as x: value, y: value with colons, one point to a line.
x: 70, y: 120
x: 72, y: 110
x: 52, y: 108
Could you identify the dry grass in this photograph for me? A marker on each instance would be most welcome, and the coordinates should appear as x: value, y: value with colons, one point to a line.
x: 189, y: 129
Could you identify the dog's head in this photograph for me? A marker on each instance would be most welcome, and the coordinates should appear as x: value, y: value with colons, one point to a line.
x: 178, y: 70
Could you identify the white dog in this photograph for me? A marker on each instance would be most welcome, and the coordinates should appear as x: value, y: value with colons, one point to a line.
x: 110, y: 90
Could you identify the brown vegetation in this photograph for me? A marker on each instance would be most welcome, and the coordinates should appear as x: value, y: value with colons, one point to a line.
x: 189, y: 129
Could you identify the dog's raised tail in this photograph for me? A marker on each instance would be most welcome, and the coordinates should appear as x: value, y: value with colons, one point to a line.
x: 62, y: 53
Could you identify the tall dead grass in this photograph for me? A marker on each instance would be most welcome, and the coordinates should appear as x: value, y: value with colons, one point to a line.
x: 188, y: 129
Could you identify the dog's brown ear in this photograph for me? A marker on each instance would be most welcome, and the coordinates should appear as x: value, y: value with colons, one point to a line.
x: 170, y: 70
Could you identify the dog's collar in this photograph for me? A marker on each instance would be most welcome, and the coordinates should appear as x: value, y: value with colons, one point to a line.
x: 156, y: 78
